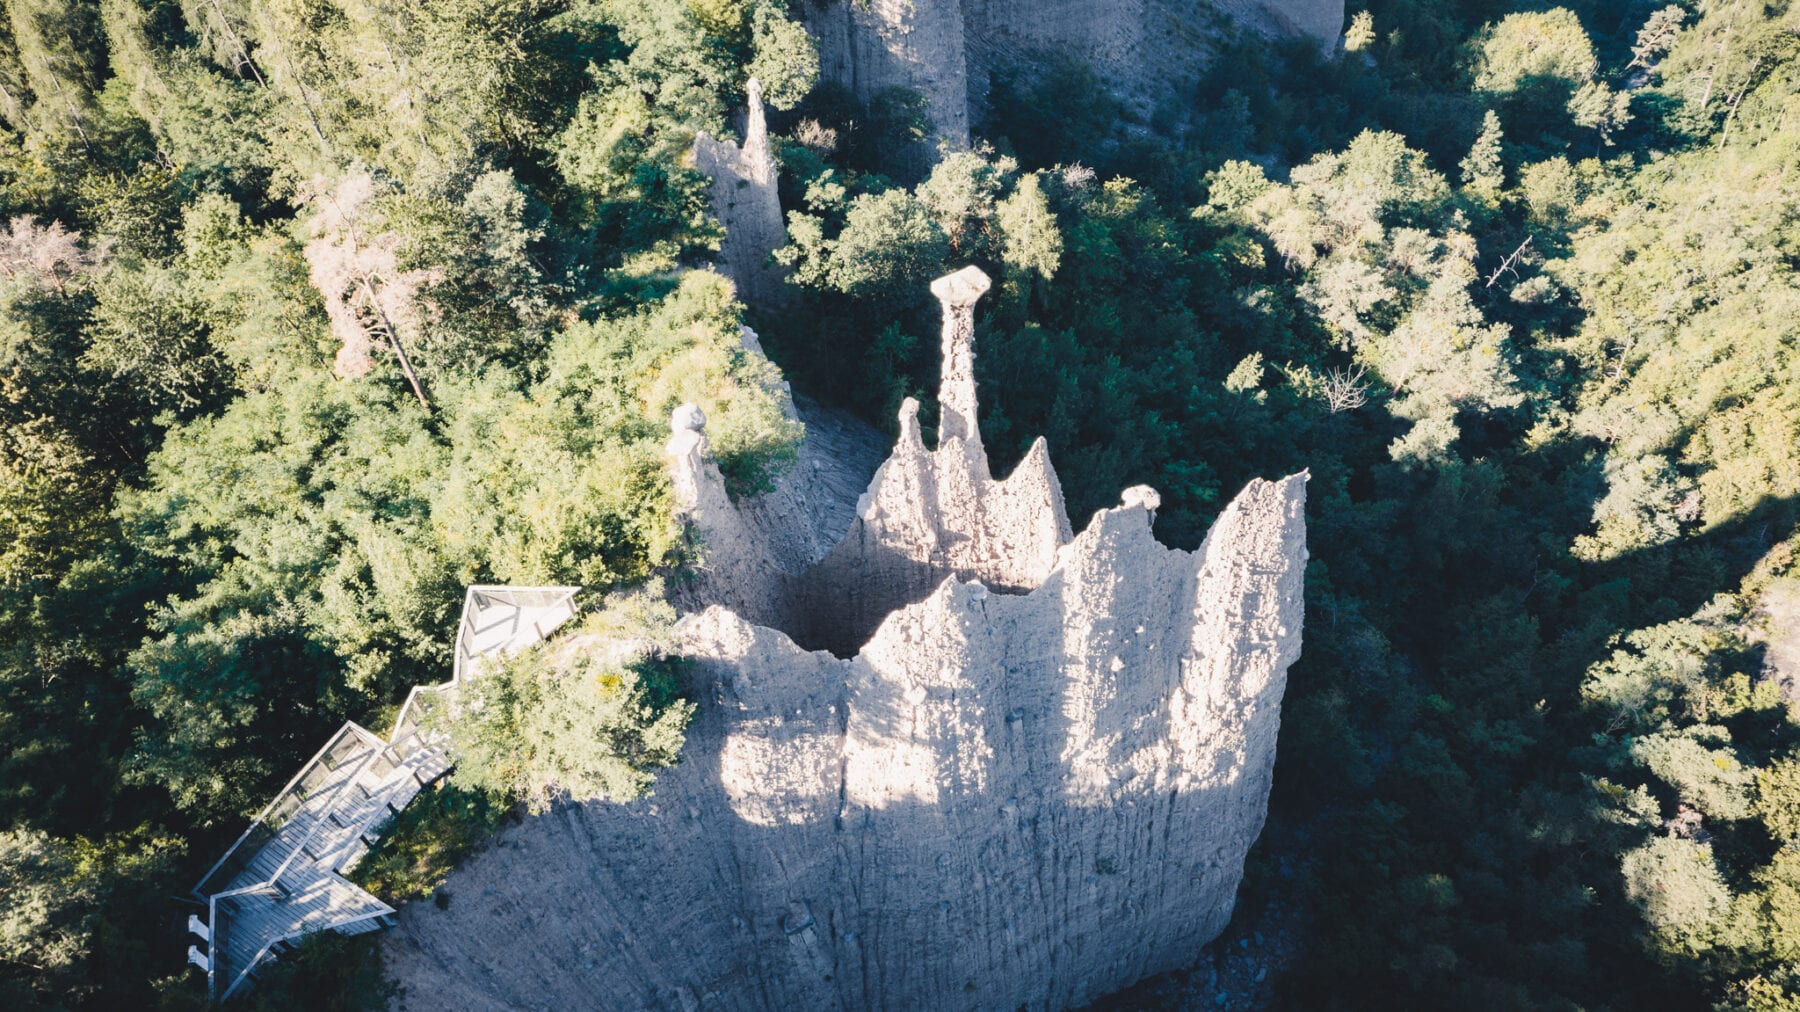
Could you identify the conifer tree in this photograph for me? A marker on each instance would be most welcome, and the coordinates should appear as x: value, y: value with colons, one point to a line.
x: 1482, y: 169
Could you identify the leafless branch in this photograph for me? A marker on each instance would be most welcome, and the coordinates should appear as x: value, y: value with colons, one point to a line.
x: 1344, y: 389
x: 1511, y: 264
x: 1732, y: 108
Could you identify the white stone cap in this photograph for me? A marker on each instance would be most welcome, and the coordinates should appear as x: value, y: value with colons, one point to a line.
x: 961, y: 288
x: 1141, y: 495
x: 688, y: 418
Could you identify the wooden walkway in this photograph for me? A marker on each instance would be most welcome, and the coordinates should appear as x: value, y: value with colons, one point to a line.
x: 284, y: 877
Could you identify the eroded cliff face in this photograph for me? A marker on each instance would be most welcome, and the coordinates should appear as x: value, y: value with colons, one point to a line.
x: 1029, y: 798
x: 872, y: 46
x: 949, y: 50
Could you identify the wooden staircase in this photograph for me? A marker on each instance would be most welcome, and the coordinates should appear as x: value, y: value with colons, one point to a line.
x: 284, y: 877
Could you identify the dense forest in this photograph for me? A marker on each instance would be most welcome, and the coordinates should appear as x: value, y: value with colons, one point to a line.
x: 314, y: 311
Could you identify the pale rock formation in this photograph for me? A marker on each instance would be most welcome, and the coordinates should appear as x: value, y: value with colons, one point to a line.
x: 1142, y: 50
x: 745, y: 201
x: 927, y: 514
x: 1009, y: 799
x: 948, y: 50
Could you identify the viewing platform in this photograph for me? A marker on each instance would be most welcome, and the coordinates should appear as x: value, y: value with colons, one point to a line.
x: 284, y: 877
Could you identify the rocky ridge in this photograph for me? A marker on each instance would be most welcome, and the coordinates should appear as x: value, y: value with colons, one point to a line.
x: 1033, y: 784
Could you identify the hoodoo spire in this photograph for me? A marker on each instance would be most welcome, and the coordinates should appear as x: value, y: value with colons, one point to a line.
x: 927, y: 514
x: 958, y: 293
x: 745, y: 201
x: 757, y: 159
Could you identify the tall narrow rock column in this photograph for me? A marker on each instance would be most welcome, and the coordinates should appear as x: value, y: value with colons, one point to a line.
x: 958, y: 294
x: 746, y: 202
x: 688, y: 455
x: 732, y: 565
x: 759, y: 162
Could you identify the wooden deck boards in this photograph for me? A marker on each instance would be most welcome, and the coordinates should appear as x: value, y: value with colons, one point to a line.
x: 293, y: 884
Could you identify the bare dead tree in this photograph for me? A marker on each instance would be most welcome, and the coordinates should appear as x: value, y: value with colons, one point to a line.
x: 50, y: 254
x: 1344, y: 389
x: 1510, y: 265
x: 379, y: 324
x: 243, y: 52
x: 1657, y: 35
x: 368, y: 297
x: 1732, y: 106
x: 1723, y: 54
x: 75, y: 116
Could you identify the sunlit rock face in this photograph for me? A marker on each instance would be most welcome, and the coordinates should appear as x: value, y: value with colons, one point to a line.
x: 1030, y: 783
